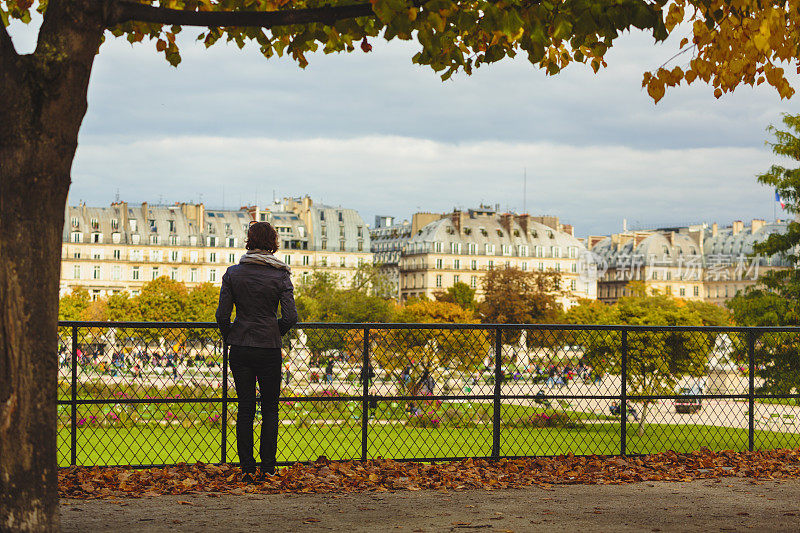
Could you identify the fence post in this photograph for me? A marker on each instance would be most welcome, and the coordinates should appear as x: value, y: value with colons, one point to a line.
x: 73, y: 438
x: 623, y: 404
x: 751, y: 370
x: 498, y: 361
x: 224, y: 443
x: 365, y: 371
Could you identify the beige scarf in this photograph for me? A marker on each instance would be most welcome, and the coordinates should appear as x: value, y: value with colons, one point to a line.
x: 262, y: 257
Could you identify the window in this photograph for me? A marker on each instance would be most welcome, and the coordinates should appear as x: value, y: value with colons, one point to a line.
x: 192, y: 240
x: 574, y: 268
x: 669, y: 275
x: 341, y: 246
x: 77, y: 237
x: 132, y: 224
x: 96, y: 272
x: 555, y: 251
x: 456, y: 264
x: 116, y: 237
x: 212, y: 275
x: 306, y: 260
x: 539, y: 251
x: 95, y: 223
x: 573, y: 285
x: 696, y: 291
x: 654, y: 274
x: 522, y: 250
x: 212, y: 241
x: 473, y: 281
x: 212, y: 257
x: 154, y: 239
x: 231, y: 242
x: 173, y: 274
x: 541, y: 267
x: 154, y: 273
x: 193, y: 275
x: 156, y: 255
x: 455, y: 247
x: 342, y: 262
x: 173, y: 240
x: 455, y: 279
x: 287, y: 259
x: 171, y: 226
x: 323, y: 261
x: 524, y: 266
x: 438, y: 280
x: 473, y: 264
x: 489, y: 249
x: 490, y: 264
x: 437, y: 247
x: 360, y: 231
x: 74, y: 222
x: 76, y: 272
x: 573, y: 252
x: 472, y: 248
x: 174, y: 256
x: 231, y: 258
x: 682, y: 291
x: 439, y: 264
x: 135, y: 273
x: 669, y: 289
x: 341, y: 216
x: 97, y: 254
x: 506, y: 249
x: 76, y: 254
x: 324, y: 244
x: 558, y: 267
x: 194, y: 256
x: 152, y: 223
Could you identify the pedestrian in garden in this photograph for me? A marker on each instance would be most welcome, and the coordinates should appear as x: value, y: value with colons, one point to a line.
x: 257, y: 286
x: 329, y: 372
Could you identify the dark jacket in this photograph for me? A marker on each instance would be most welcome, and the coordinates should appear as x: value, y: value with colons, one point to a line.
x: 256, y: 290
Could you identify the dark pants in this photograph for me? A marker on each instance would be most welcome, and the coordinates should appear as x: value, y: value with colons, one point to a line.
x: 248, y: 365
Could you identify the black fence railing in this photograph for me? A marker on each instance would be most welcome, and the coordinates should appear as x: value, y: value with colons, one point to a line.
x: 147, y: 394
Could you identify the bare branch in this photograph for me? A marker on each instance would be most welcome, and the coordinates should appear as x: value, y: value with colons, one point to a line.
x: 125, y: 10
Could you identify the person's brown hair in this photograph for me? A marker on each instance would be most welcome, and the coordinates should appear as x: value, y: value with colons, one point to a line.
x: 262, y: 236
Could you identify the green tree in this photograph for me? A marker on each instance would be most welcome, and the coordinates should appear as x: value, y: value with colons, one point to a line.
x: 459, y: 293
x: 44, y: 99
x: 657, y: 361
x: 73, y: 305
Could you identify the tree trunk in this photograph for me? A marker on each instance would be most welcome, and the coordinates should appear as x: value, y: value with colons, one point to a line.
x: 644, y: 417
x: 43, y: 103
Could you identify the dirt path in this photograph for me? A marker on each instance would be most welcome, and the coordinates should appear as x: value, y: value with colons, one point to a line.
x: 731, y: 504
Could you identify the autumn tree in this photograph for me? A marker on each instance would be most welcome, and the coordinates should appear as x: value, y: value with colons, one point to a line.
x: 43, y: 102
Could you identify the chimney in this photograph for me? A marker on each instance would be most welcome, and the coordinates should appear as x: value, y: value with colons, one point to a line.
x: 307, y: 203
x: 593, y: 240
x: 671, y: 238
x: 567, y: 228
x: 737, y: 227
x: 639, y: 237
x: 714, y: 229
x: 505, y: 222
x: 523, y: 221
x: 756, y: 224
x: 455, y: 218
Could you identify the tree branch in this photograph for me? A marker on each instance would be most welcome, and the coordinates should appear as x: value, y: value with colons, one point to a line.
x: 126, y: 10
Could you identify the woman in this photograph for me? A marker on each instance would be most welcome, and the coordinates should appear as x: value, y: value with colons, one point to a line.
x: 257, y: 286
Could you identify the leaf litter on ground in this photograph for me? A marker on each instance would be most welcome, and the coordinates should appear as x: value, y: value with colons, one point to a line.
x: 325, y: 476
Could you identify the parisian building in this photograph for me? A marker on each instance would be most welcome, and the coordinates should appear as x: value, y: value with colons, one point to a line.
x: 463, y: 245
x: 119, y: 248
x: 698, y: 262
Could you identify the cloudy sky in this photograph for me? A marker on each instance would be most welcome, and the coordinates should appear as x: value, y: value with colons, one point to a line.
x: 378, y: 134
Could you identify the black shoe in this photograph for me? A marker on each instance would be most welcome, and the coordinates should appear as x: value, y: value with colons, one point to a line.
x: 267, y: 472
x: 248, y: 477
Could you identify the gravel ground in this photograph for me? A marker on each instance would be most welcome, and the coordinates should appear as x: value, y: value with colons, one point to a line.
x: 729, y: 504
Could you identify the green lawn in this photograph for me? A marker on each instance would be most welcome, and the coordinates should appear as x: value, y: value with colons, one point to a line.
x: 170, y: 444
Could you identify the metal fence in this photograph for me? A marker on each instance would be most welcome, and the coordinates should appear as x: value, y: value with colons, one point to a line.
x: 147, y: 394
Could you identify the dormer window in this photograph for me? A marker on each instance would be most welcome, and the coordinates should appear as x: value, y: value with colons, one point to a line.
x: 499, y: 233
x: 95, y: 223
x: 74, y: 222
x: 115, y: 224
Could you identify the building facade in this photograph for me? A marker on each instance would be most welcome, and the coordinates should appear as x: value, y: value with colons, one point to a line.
x: 107, y: 250
x: 698, y: 262
x: 463, y: 245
